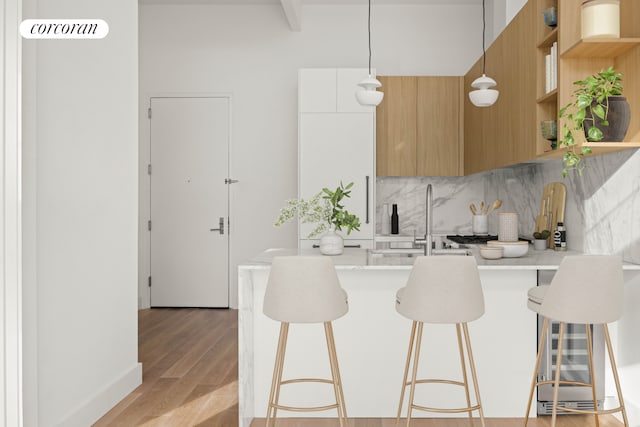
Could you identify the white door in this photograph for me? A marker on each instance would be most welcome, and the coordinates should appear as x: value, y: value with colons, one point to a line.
x: 189, y: 202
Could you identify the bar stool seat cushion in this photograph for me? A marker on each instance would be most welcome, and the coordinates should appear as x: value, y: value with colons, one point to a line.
x: 535, y: 296
x: 442, y: 289
x: 586, y: 289
x: 304, y: 289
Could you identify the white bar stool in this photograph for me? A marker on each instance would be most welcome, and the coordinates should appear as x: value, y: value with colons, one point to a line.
x: 586, y: 289
x: 441, y: 289
x: 304, y: 290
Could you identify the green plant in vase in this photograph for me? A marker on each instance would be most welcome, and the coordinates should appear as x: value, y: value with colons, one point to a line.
x: 589, y: 114
x: 325, y: 209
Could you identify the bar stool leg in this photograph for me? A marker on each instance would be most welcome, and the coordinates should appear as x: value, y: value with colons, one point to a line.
x: 464, y: 369
x: 473, y: 372
x: 406, y: 370
x: 335, y: 357
x: 592, y: 375
x: 545, y: 327
x: 277, y: 373
x: 556, y: 385
x: 416, y: 358
x: 615, y: 374
x: 335, y: 373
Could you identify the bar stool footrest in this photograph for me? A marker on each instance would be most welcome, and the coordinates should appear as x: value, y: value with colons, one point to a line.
x: 588, y: 412
x: 305, y: 409
x: 435, y: 381
x: 306, y: 380
x: 446, y: 411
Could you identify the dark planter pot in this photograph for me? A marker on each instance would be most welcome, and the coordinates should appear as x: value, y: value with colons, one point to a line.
x: 619, y: 118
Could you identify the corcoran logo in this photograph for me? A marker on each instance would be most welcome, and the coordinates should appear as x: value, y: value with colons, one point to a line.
x: 64, y: 29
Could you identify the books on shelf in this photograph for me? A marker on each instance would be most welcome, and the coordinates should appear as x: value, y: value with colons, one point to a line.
x: 551, y: 69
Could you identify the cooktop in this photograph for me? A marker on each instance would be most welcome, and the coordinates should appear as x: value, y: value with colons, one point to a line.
x: 475, y: 240
x: 471, y: 239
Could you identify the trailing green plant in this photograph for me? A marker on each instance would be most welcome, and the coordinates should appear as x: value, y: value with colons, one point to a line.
x: 542, y: 235
x: 591, y: 100
x: 325, y: 209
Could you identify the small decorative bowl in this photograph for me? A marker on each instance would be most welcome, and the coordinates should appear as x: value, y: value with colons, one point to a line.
x: 511, y: 249
x: 550, y: 17
x: 491, y: 252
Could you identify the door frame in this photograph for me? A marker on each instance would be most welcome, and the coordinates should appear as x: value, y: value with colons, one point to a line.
x: 144, y: 202
x: 11, y: 398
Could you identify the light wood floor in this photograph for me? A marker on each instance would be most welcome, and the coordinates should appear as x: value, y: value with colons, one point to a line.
x: 190, y: 378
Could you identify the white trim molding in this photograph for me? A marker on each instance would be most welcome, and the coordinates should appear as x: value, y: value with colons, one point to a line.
x: 10, y: 215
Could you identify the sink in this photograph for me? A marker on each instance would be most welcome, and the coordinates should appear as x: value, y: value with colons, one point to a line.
x: 414, y: 252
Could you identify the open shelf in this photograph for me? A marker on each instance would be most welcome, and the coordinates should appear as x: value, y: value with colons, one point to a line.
x: 548, y: 97
x: 597, y: 148
x: 549, y: 39
x: 601, y: 48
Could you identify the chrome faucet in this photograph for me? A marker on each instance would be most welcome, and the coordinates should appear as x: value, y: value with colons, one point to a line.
x: 428, y: 237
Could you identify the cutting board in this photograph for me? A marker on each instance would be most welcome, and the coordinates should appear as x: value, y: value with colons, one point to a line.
x: 554, y: 197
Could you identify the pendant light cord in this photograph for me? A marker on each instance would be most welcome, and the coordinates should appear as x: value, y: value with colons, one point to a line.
x: 484, y: 52
x: 369, y: 32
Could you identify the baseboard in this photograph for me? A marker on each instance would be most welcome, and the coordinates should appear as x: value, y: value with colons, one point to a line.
x: 630, y: 379
x: 103, y: 400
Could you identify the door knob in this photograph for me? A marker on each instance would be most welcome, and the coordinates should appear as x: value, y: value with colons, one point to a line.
x: 221, y: 229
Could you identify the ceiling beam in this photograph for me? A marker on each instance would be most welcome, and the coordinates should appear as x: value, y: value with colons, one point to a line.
x: 293, y: 11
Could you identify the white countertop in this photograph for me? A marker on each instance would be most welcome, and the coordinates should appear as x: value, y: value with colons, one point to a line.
x: 359, y: 259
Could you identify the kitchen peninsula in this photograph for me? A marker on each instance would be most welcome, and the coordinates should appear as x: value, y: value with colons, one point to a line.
x: 372, y: 339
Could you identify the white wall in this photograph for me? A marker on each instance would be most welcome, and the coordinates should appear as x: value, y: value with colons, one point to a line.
x: 10, y: 216
x: 250, y: 52
x: 81, y: 215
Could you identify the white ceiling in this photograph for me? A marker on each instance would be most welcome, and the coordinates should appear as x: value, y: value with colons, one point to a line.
x: 293, y: 9
x: 311, y: 2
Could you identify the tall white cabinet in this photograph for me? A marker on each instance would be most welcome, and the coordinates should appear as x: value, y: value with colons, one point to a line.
x: 336, y: 142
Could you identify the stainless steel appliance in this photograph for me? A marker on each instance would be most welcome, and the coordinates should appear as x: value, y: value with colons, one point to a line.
x: 575, y: 367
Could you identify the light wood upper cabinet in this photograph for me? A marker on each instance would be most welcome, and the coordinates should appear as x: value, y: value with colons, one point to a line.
x: 439, y: 126
x: 418, y: 126
x: 396, y: 127
x: 505, y: 133
x: 509, y: 132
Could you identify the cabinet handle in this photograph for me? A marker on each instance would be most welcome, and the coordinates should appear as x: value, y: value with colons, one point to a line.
x: 316, y: 246
x: 367, y: 200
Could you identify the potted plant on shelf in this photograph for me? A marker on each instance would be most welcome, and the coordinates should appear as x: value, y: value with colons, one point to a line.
x: 540, y: 240
x: 599, y: 112
x: 326, y: 211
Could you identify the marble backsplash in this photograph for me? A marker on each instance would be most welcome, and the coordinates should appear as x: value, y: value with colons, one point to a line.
x: 602, y: 213
x: 518, y: 187
x: 603, y: 205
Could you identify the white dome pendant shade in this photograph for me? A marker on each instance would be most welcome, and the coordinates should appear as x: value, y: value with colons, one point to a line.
x: 483, y: 96
x: 368, y: 95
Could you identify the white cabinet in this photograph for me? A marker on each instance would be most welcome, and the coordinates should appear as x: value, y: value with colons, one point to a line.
x: 330, y: 90
x: 347, y: 80
x: 317, y: 90
x: 336, y: 144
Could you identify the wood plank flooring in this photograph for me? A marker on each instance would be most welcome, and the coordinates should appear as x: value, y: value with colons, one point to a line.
x: 190, y: 378
x: 190, y: 370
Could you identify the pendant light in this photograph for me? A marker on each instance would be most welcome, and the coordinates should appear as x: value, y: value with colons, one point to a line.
x: 367, y: 94
x: 483, y: 96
